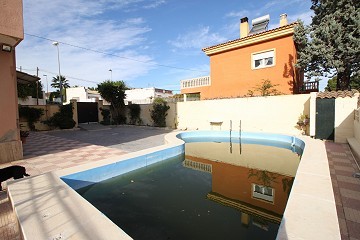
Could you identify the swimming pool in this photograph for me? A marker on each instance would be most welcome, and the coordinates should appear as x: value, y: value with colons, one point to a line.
x: 259, y: 212
x: 90, y: 176
x: 46, y: 207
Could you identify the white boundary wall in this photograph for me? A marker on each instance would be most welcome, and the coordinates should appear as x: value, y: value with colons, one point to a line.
x: 274, y: 114
x: 357, y: 125
x: 344, y: 118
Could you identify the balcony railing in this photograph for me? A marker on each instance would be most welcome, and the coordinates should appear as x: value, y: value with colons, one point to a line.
x: 195, y: 82
x: 308, y: 87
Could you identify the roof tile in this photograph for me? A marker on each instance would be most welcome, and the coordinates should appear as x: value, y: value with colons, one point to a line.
x: 337, y: 94
x: 251, y: 36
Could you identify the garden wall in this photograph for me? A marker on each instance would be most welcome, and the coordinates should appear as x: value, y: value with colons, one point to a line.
x: 145, y: 115
x: 354, y: 142
x: 344, y: 118
x: 49, y: 111
x: 32, y: 101
x: 273, y: 114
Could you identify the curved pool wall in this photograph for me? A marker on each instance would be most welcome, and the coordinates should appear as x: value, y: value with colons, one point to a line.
x: 91, y: 176
x: 274, y: 140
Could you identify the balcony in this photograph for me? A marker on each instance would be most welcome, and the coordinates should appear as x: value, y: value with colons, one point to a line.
x: 195, y: 82
x: 309, y: 87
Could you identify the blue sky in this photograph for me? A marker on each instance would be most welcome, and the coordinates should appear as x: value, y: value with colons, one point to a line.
x: 145, y: 42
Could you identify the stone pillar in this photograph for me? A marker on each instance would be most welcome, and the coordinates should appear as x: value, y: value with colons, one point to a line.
x: 100, y: 105
x: 75, y: 113
x: 184, y: 97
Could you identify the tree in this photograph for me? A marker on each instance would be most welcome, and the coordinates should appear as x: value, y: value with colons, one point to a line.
x: 265, y: 88
x: 56, y: 82
x: 159, y: 112
x: 114, y: 93
x: 26, y: 90
x: 330, y: 45
x: 354, y: 83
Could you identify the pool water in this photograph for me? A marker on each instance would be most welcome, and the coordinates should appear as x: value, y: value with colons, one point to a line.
x: 215, y: 191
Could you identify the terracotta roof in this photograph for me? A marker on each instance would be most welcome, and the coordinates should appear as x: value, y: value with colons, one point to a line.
x: 291, y: 25
x: 337, y: 94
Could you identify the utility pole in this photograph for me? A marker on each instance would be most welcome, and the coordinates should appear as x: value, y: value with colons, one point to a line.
x: 37, y: 86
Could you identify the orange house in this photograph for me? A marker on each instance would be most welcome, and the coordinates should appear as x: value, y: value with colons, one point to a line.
x: 243, y: 64
x: 11, y: 34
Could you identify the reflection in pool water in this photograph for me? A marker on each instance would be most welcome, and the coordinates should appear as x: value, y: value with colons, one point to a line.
x: 214, y: 192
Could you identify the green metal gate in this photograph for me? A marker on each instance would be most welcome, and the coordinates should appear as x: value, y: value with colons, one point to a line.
x: 325, y: 118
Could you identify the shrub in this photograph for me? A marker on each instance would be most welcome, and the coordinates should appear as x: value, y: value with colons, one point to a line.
x: 134, y: 113
x: 31, y: 115
x: 63, y: 119
x: 106, y: 116
x: 158, y: 113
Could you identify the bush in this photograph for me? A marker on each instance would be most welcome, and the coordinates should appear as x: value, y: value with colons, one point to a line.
x: 106, y: 116
x: 158, y: 113
x: 134, y: 113
x: 120, y: 119
x: 63, y: 119
x: 31, y: 115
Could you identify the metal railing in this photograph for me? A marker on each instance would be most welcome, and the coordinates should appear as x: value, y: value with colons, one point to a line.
x: 308, y: 87
x: 195, y: 82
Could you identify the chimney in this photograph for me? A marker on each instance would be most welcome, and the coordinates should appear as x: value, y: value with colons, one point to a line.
x: 283, y: 20
x: 244, y: 27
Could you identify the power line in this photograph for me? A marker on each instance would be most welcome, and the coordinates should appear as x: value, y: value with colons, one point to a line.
x: 69, y: 77
x: 112, y: 54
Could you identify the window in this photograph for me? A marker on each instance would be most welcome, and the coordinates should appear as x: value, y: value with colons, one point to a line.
x: 264, y: 193
x: 263, y: 59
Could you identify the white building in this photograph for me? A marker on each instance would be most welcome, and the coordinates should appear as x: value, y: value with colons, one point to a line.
x: 145, y: 95
x: 137, y: 95
x: 81, y: 94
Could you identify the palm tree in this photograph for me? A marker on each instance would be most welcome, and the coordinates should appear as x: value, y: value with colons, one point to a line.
x: 56, y: 82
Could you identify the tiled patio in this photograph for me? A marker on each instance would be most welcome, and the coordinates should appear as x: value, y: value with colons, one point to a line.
x: 44, y: 153
x: 346, y: 189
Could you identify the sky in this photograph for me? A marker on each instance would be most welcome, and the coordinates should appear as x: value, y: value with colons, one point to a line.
x: 146, y: 43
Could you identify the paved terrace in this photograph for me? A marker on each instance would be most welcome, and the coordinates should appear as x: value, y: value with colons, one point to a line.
x: 50, y: 151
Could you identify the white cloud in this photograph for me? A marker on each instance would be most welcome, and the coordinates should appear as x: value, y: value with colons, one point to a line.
x: 197, y: 39
x: 155, y: 4
x: 81, y: 23
x: 239, y: 14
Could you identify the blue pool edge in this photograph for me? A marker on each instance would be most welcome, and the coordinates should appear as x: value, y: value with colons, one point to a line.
x: 175, y: 147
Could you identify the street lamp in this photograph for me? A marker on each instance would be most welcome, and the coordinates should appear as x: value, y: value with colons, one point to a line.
x: 47, y: 85
x: 110, y: 74
x: 60, y: 81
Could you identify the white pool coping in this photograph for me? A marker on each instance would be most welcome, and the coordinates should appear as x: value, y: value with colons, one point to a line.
x: 47, y: 208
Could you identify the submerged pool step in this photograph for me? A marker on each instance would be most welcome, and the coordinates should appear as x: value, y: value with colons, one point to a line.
x: 204, y: 167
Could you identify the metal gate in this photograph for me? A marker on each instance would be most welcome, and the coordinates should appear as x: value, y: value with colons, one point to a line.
x: 325, y: 118
x: 87, y: 112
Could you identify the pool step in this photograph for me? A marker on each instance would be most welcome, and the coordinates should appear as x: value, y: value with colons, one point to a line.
x: 197, y: 165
